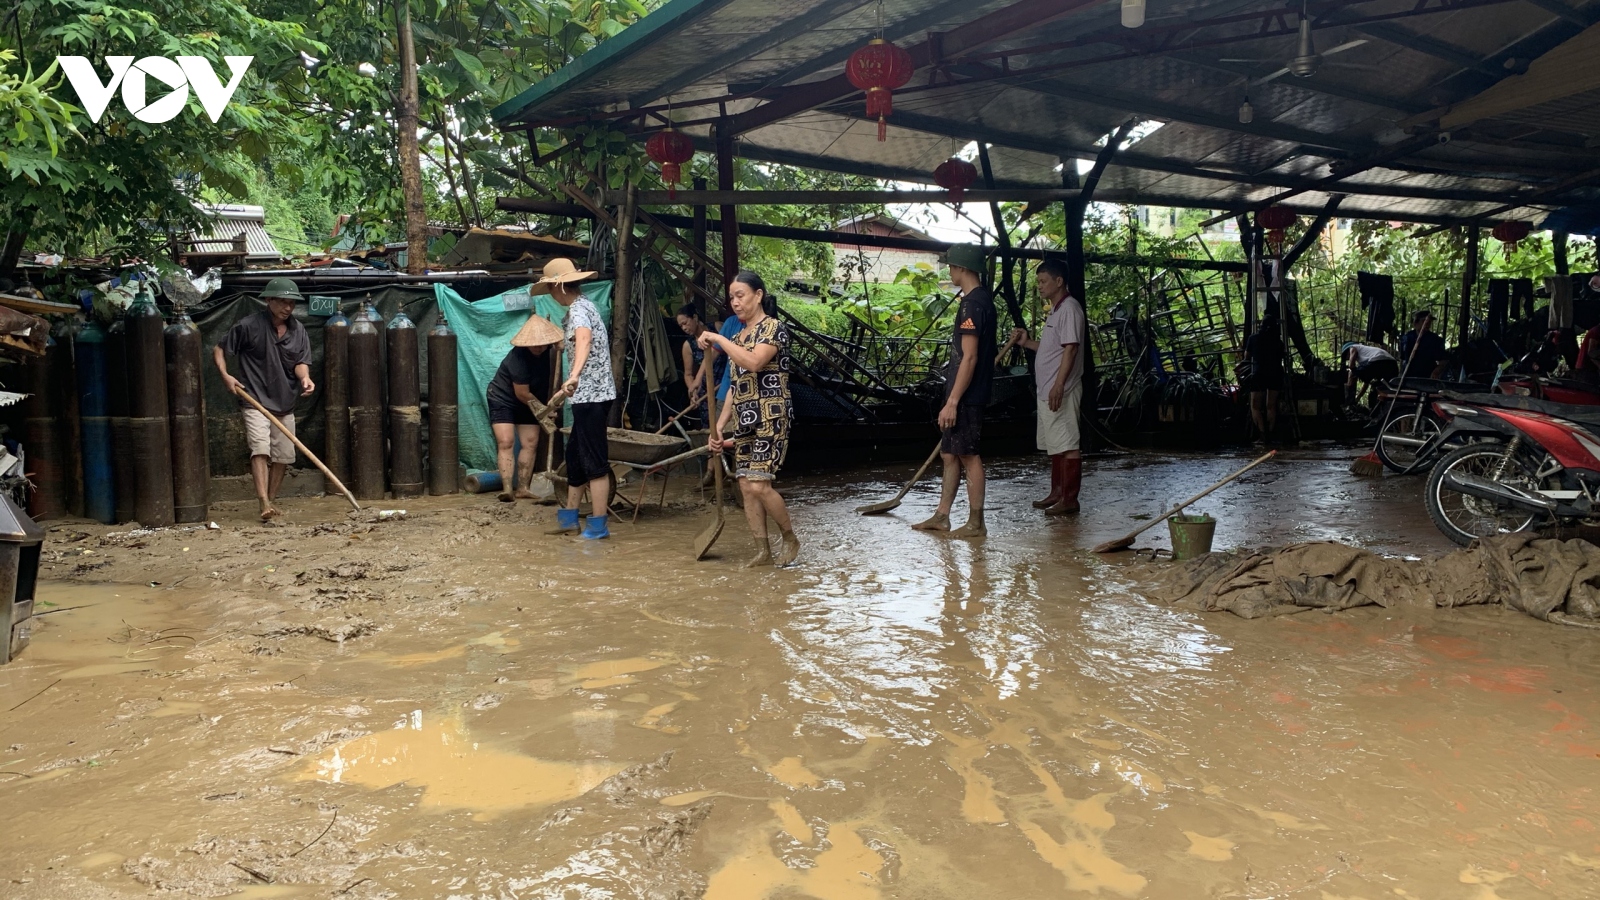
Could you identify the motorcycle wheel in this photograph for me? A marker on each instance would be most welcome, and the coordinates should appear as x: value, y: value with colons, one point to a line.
x: 1396, y: 445
x: 1464, y: 518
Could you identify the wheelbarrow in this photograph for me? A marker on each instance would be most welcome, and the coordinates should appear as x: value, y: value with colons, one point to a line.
x: 646, y: 453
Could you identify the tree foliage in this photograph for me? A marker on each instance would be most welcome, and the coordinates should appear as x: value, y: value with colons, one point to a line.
x: 119, y: 184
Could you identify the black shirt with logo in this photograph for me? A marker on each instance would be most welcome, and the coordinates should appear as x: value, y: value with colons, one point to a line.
x: 975, y: 316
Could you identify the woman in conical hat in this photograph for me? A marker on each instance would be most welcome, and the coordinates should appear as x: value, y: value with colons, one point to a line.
x: 523, y: 375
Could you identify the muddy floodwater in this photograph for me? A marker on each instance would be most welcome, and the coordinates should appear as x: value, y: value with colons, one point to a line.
x: 455, y: 705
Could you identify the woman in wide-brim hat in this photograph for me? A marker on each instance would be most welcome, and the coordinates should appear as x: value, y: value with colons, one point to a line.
x: 523, y: 375
x: 587, y: 346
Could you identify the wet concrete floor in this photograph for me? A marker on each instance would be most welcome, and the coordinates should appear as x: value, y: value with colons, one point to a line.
x: 456, y: 705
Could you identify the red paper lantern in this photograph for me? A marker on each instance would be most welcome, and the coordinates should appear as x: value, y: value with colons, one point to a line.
x: 1509, y: 233
x: 955, y: 175
x: 880, y: 68
x: 671, y: 149
x: 1276, y: 220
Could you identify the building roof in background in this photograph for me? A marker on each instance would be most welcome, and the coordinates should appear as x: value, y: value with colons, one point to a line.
x: 226, y: 220
x: 860, y: 225
x: 1444, y: 110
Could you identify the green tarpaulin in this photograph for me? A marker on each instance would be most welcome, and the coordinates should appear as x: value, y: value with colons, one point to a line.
x: 484, y: 329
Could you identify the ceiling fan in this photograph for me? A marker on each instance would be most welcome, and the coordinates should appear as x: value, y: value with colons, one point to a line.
x: 1306, y: 59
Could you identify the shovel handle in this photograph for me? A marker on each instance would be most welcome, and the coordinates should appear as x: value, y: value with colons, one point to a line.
x: 309, y: 455
x: 1127, y: 539
x: 906, y: 489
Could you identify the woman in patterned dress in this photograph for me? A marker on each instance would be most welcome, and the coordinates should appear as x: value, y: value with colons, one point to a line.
x: 759, y: 404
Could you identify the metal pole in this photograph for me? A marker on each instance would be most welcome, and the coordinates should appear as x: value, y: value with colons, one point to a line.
x: 1469, y: 283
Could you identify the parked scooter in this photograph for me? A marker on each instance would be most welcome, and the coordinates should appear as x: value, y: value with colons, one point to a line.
x: 1520, y: 464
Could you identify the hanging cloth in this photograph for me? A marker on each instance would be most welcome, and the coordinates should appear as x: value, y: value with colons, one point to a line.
x: 1499, y: 301
x: 1521, y: 299
x: 1377, y: 298
x: 1560, y: 288
x: 660, y: 368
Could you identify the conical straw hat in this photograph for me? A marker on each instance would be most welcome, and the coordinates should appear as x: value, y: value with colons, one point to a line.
x: 538, y: 332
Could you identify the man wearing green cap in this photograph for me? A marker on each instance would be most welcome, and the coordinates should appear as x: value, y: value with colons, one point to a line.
x: 967, y: 381
x: 274, y: 357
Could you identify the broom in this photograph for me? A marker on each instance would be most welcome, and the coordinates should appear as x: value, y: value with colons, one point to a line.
x: 1371, y: 465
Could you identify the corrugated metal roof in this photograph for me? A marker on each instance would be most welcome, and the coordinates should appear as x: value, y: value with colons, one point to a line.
x: 1071, y: 74
x: 226, y: 220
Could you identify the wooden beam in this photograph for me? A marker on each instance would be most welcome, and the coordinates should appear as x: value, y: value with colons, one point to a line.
x: 732, y: 197
x: 1313, y: 231
x: 698, y: 236
x: 995, y: 26
x: 622, y: 299
x: 730, y: 215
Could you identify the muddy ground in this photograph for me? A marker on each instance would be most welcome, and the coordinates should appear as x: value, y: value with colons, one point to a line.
x: 456, y: 705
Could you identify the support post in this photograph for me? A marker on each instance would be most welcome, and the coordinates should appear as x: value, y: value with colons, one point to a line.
x: 1558, y: 245
x: 730, y: 213
x: 699, y: 238
x: 1072, y: 214
x: 410, y: 152
x: 1249, y: 241
x: 622, y: 299
x: 1469, y: 283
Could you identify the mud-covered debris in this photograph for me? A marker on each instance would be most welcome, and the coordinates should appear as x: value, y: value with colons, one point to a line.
x: 672, y: 832
x: 334, y: 632
x: 560, y: 817
x: 486, y: 701
x: 628, y: 784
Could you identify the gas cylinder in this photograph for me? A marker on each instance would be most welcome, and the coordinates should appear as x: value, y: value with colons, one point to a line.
x: 405, y: 408
x: 191, y: 465
x: 444, y: 461
x: 366, y: 411
x: 99, y: 493
x: 40, y: 454
x: 147, y: 413
x: 336, y: 399
x: 123, y: 479
x: 64, y: 401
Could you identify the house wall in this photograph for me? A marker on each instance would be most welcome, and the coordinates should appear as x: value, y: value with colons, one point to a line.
x: 881, y: 265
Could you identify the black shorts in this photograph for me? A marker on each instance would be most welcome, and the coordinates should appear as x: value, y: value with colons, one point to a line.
x: 509, y: 412
x: 962, y: 440
x: 1379, y: 370
x: 1264, y: 381
x: 587, y: 456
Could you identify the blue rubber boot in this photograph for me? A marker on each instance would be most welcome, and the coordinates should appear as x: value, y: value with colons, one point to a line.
x: 594, y: 528
x: 566, y: 521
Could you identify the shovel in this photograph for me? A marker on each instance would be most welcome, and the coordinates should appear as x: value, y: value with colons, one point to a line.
x: 540, y: 484
x: 1126, y: 541
x: 303, y: 449
x: 872, y: 509
x: 704, y: 540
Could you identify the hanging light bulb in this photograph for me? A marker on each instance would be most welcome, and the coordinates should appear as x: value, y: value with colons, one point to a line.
x: 1132, y: 13
x: 1306, y: 59
x: 1247, y: 113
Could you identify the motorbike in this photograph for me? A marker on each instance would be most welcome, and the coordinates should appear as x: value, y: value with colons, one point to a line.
x: 1517, y: 464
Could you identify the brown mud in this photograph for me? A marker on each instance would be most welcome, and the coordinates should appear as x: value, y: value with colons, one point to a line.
x: 457, y: 705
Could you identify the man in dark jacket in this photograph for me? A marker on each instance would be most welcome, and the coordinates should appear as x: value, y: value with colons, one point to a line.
x: 274, y: 357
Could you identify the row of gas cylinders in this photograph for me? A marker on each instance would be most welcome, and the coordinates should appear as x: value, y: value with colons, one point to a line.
x: 115, y: 422
x: 353, y: 377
